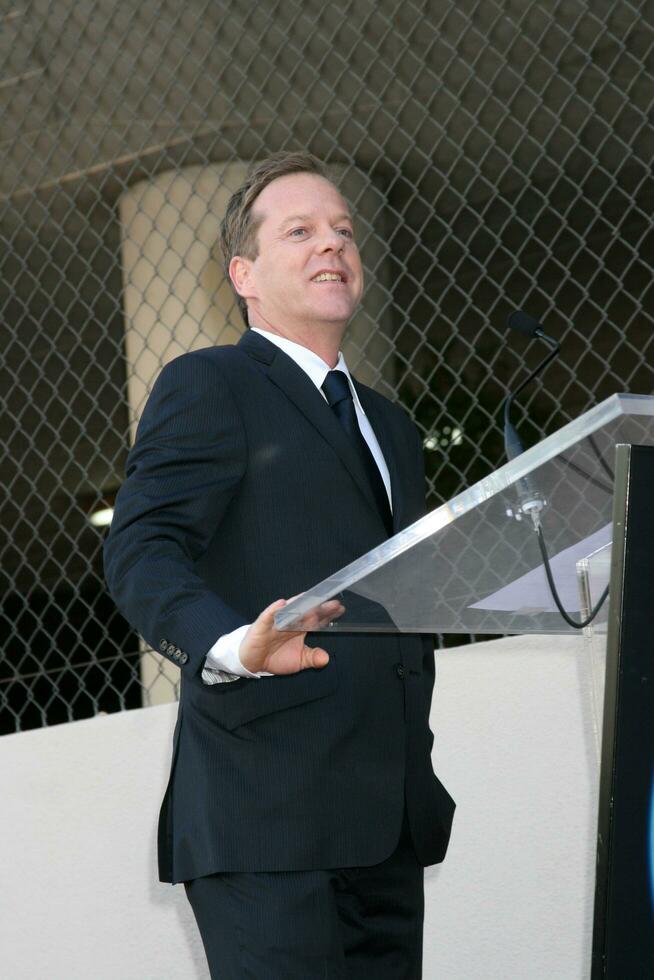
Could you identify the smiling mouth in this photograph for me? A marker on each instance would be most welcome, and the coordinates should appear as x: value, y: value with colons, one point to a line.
x: 329, y: 277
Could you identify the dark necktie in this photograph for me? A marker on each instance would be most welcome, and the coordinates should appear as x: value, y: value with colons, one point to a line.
x: 339, y: 395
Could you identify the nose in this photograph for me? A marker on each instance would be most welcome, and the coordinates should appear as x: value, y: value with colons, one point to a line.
x: 330, y: 240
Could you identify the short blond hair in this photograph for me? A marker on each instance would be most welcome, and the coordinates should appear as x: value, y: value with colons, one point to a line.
x: 239, y: 227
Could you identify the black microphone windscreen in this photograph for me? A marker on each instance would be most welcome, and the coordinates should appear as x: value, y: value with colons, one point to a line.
x: 523, y: 323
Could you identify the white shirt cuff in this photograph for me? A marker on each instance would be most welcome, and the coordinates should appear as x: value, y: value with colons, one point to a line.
x: 223, y: 662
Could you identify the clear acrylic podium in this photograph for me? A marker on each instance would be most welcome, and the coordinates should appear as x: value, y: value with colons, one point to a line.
x: 473, y: 565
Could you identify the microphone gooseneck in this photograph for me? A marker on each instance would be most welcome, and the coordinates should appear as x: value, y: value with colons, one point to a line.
x: 523, y: 323
x: 530, y: 501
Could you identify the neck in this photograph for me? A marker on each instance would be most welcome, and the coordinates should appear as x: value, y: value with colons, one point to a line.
x: 325, y: 342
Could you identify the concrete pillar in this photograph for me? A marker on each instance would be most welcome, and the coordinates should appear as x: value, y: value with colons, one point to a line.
x: 175, y: 296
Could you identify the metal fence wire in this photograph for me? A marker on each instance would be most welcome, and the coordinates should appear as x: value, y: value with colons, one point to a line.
x: 497, y: 154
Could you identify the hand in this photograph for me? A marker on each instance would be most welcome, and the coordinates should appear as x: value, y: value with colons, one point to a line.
x: 265, y: 648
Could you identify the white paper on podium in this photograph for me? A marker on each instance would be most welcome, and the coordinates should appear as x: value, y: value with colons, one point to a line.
x: 531, y: 594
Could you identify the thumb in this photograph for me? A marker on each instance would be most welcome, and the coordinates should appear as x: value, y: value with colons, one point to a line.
x: 314, y: 657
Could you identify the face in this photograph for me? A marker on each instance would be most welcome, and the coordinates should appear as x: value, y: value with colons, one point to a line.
x: 307, y: 276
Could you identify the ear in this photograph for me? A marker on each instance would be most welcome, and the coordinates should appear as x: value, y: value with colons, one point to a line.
x: 240, y: 272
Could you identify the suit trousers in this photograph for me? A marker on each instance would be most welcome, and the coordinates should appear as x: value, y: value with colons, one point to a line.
x: 337, y: 924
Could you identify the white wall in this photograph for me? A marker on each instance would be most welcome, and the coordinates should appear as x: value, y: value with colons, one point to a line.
x: 515, y: 745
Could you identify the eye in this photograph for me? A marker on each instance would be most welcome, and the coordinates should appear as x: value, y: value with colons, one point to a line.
x: 297, y: 232
x: 345, y: 232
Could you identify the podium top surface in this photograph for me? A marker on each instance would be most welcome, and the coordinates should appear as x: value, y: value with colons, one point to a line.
x: 473, y: 564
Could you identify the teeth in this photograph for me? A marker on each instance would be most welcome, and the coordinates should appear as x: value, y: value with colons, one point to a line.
x: 328, y: 277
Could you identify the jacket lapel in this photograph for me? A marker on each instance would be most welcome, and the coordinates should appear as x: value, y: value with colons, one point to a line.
x: 292, y: 380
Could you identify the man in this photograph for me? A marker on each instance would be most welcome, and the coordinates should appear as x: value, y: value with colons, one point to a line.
x: 302, y: 806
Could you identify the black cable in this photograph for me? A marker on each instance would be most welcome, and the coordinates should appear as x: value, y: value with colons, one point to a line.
x: 555, y: 595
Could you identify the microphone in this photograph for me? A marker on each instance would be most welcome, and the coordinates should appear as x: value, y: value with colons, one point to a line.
x: 524, y: 323
x: 530, y: 501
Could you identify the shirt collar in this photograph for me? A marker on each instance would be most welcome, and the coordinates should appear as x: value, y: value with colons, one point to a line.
x: 311, y: 363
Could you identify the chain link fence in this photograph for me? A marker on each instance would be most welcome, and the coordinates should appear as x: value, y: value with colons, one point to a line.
x: 498, y: 155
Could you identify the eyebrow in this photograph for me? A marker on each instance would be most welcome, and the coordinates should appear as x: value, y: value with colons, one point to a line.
x: 343, y: 216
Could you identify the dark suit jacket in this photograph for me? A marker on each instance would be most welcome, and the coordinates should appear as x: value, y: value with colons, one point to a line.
x: 242, y: 487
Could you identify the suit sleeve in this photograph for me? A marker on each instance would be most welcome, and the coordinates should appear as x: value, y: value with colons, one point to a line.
x: 187, y: 462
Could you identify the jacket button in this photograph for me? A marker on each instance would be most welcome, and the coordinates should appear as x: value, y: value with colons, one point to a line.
x: 163, y: 646
x: 183, y: 658
x: 400, y: 670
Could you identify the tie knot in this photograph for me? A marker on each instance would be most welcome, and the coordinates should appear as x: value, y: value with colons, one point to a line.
x: 336, y: 387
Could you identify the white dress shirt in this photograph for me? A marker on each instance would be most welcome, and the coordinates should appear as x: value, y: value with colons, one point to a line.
x: 223, y: 662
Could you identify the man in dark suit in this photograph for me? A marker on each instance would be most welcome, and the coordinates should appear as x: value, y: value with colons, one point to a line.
x: 302, y: 806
